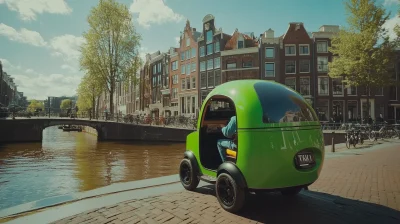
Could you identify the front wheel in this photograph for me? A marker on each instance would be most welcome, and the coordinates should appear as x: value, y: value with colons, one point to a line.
x: 188, y: 177
x: 230, y: 196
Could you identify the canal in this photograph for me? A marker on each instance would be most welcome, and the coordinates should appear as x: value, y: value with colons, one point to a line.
x: 69, y: 162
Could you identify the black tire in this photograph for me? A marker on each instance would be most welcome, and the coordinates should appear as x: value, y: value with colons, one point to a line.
x: 291, y: 191
x: 188, y: 177
x: 230, y: 196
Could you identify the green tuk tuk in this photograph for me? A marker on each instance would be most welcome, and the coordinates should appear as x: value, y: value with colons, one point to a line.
x: 280, y: 144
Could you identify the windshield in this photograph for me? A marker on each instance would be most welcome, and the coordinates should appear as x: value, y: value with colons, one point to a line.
x: 281, y: 105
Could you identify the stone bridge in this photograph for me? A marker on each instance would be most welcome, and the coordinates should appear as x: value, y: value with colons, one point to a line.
x: 31, y: 129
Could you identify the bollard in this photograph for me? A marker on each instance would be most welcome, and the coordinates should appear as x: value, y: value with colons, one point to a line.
x: 333, y: 142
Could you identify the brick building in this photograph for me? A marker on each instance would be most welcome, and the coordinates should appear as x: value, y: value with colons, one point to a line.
x: 270, y: 55
x: 159, y: 76
x: 174, y: 74
x: 188, y: 91
x: 211, y: 42
x: 240, y: 58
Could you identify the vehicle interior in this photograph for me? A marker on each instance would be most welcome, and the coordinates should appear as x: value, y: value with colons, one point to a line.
x: 218, y: 111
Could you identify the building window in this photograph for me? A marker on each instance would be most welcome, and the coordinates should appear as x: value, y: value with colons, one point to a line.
x: 174, y: 65
x: 182, y: 55
x: 290, y: 50
x: 291, y: 82
x: 183, y: 83
x: 187, y: 42
x: 209, y: 49
x: 202, y: 66
x: 159, y: 67
x: 247, y: 63
x: 392, y: 93
x: 352, y: 91
x: 231, y: 65
x: 193, y: 52
x: 187, y: 54
x: 290, y: 67
x: 323, y: 85
x: 217, y: 77
x: 217, y: 62
x: 187, y: 83
x: 210, y: 79
x: 304, y: 49
x: 305, y: 86
x: 188, y: 69
x: 338, y: 109
x: 322, y: 110
x: 322, y: 46
x: 304, y: 66
x: 269, y: 52
x: 202, y: 53
x: 193, y: 82
x: 352, y: 110
x: 174, y: 93
x: 193, y: 104
x: 154, y: 69
x: 210, y: 64
x: 203, y: 80
x: 269, y: 69
x: 379, y: 91
x: 217, y: 47
x: 337, y: 87
x: 240, y: 44
x: 193, y: 67
x: 175, y: 79
x: 322, y: 63
x: 183, y: 69
x: 209, y: 36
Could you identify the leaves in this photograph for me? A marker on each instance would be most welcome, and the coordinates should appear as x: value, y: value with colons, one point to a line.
x: 88, y: 90
x: 111, y: 52
x: 363, y: 51
x: 65, y: 104
x: 34, y: 104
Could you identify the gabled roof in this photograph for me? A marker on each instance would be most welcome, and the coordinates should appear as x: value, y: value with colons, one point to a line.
x: 232, y: 42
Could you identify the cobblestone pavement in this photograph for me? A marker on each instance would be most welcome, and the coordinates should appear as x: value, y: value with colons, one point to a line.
x: 362, y: 188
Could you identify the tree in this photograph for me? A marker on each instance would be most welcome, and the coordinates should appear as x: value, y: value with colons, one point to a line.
x: 34, y: 104
x: 363, y: 52
x: 89, y: 92
x: 66, y: 104
x: 111, y: 52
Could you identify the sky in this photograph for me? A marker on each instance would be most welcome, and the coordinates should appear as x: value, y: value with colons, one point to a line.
x: 40, y: 39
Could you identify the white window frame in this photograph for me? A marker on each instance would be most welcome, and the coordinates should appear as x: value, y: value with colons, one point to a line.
x: 204, y: 51
x: 193, y: 81
x: 340, y: 95
x: 187, y: 41
x: 193, y: 67
x: 273, y: 52
x: 318, y: 86
x: 318, y: 65
x: 295, y: 63
x: 291, y: 45
x: 304, y: 45
x: 381, y: 93
x: 322, y: 41
x: 349, y: 89
x: 309, y: 66
x: 295, y: 84
x: 309, y: 84
x: 207, y: 64
x: 217, y: 65
x: 265, y: 71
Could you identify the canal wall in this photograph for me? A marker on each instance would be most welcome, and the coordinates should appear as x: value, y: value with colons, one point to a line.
x: 89, y: 130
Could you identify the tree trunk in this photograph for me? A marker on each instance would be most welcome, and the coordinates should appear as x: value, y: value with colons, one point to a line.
x: 368, y: 106
x: 97, y: 107
x: 111, y: 100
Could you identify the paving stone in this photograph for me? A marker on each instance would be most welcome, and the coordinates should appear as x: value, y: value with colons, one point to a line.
x: 355, y: 188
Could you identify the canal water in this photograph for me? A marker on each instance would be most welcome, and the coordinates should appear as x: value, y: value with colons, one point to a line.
x: 69, y: 162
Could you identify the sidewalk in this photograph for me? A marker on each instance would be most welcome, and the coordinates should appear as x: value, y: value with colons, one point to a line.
x: 355, y: 186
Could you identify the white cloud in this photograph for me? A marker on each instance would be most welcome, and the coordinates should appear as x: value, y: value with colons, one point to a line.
x: 67, y: 46
x: 390, y: 2
x: 23, y: 36
x: 390, y: 24
x: 36, y: 85
x: 28, y: 9
x: 177, y: 41
x: 69, y: 68
x: 153, y: 12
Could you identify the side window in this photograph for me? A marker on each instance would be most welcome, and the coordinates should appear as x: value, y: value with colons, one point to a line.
x: 219, y: 109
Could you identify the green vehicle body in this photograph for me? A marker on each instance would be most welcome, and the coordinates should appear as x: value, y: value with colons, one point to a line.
x: 266, y: 150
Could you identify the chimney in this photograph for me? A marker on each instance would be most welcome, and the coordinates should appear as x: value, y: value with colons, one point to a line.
x: 269, y: 33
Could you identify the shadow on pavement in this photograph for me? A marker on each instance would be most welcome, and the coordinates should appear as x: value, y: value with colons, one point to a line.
x: 311, y: 207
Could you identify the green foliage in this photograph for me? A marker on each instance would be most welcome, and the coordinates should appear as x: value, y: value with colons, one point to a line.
x: 34, y: 104
x: 111, y: 52
x: 89, y: 89
x: 65, y: 104
x: 363, y: 51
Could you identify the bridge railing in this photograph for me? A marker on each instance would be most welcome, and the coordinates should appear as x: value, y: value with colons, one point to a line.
x: 172, y: 121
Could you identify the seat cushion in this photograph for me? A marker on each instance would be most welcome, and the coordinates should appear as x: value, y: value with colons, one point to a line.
x: 231, y: 153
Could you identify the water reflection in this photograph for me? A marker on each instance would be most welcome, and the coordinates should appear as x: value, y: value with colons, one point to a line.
x: 67, y: 162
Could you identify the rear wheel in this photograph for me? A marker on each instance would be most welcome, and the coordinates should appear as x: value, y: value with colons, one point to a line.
x: 291, y: 191
x: 230, y: 196
x: 188, y: 177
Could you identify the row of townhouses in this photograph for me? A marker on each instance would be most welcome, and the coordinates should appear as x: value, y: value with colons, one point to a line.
x: 9, y: 94
x: 177, y: 81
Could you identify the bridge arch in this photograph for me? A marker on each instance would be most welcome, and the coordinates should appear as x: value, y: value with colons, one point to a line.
x: 57, y: 122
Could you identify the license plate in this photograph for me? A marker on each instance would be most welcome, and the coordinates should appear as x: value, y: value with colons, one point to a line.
x: 305, y: 159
